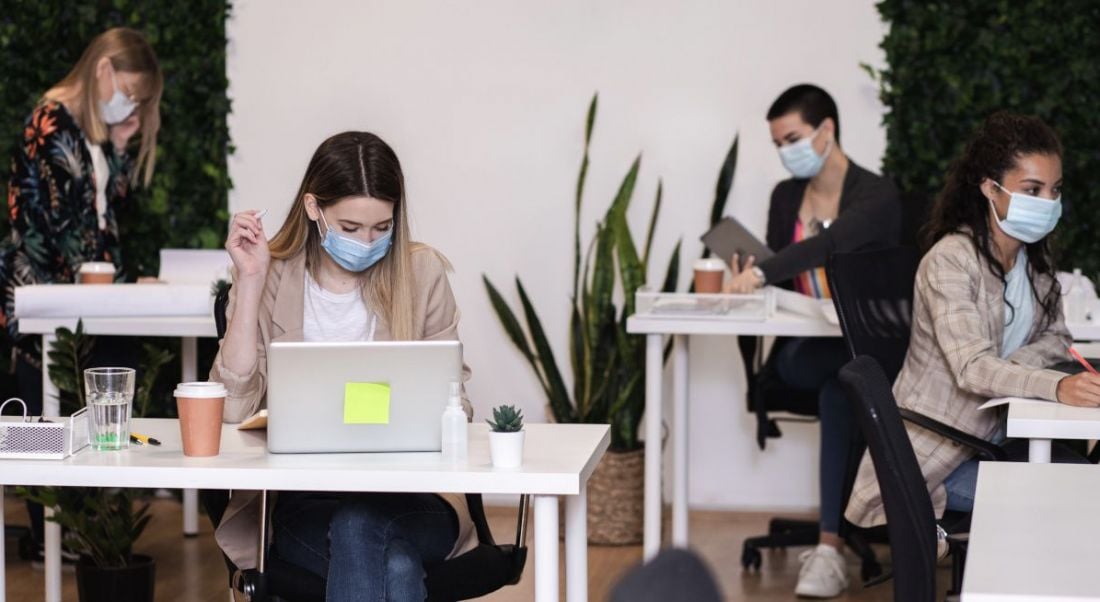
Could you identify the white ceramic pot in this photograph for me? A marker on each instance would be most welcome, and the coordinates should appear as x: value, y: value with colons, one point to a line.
x: 506, y: 449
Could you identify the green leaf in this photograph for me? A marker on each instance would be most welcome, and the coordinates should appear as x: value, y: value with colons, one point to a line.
x: 559, y: 396
x: 512, y: 328
x: 725, y: 182
x: 652, y: 224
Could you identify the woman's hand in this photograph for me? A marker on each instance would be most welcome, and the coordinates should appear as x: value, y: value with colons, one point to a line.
x: 247, y: 246
x: 1081, y: 389
x: 121, y: 133
x: 744, y: 280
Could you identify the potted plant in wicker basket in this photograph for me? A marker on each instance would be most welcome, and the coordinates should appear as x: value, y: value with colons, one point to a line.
x: 608, y: 364
x: 506, y: 437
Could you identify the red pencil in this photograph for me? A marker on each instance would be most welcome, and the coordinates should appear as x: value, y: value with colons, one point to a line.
x: 1082, y: 361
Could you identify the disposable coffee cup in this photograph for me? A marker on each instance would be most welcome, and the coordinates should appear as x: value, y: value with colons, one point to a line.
x: 96, y: 272
x: 200, y: 407
x: 708, y: 275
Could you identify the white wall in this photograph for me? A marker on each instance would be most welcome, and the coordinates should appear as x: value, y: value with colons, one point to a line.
x: 484, y: 104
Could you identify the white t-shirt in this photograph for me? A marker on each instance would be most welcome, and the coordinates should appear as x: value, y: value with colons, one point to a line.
x: 1019, y: 306
x: 335, y: 317
x: 102, y: 173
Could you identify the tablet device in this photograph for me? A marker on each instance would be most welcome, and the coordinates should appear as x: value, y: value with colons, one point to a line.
x: 730, y: 236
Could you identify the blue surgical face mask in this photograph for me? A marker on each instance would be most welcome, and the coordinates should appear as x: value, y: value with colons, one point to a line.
x: 801, y: 159
x: 351, y: 254
x: 118, y: 108
x: 1029, y: 218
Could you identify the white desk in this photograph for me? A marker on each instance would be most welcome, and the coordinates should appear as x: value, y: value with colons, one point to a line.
x: 558, y: 460
x: 188, y: 328
x: 1042, y: 421
x: 782, y: 324
x: 1033, y: 535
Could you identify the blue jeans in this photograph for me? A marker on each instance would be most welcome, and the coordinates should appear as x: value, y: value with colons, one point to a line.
x: 963, y: 481
x: 371, y: 546
x: 811, y: 364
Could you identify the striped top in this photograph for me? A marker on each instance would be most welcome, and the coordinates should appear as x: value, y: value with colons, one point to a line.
x: 812, y: 282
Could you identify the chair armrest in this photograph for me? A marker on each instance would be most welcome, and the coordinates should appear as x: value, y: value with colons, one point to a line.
x: 984, y: 449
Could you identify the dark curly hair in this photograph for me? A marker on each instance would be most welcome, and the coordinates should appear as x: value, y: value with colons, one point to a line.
x: 995, y: 148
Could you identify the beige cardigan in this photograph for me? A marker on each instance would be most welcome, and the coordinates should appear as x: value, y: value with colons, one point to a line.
x: 281, y: 316
x: 954, y: 365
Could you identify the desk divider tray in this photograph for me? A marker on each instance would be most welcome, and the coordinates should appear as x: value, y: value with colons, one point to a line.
x: 756, y: 307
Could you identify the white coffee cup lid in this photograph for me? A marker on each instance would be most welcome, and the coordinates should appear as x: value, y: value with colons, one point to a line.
x: 710, y: 264
x: 97, y: 267
x: 200, y: 390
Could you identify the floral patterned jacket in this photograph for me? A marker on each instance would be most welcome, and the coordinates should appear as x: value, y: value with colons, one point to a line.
x: 52, y: 205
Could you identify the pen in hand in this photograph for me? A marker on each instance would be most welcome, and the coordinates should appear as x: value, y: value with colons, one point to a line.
x: 1081, y: 360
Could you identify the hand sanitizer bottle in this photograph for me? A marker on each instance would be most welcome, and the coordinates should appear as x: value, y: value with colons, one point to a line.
x: 454, y: 426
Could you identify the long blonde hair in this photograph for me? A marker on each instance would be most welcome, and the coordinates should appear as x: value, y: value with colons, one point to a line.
x: 127, y: 50
x: 355, y: 164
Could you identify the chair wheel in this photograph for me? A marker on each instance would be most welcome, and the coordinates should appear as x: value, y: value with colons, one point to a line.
x: 751, y: 558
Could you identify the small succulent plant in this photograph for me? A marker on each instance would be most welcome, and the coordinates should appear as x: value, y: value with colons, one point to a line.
x: 506, y: 419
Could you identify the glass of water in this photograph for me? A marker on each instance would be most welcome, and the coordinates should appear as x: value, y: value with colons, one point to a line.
x: 110, y: 392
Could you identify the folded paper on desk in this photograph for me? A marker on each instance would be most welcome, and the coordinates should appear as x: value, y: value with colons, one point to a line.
x: 194, y: 266
x: 254, y: 422
x: 112, y: 300
x: 1000, y: 401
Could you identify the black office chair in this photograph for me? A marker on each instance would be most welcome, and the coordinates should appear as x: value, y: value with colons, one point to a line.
x: 910, y: 518
x: 480, y: 571
x: 772, y: 402
x: 873, y: 296
x: 673, y: 574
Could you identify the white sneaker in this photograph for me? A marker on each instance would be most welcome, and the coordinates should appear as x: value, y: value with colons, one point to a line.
x: 824, y: 573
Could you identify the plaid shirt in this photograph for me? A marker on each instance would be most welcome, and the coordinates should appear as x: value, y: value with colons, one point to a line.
x: 954, y: 365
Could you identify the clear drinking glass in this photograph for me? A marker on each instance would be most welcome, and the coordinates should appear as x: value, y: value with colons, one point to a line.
x: 110, y: 393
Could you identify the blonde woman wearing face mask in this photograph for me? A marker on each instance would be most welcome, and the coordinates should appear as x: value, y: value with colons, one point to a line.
x: 75, y: 167
x: 90, y: 138
x: 341, y: 268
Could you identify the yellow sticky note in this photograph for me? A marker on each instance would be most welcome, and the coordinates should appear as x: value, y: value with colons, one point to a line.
x: 366, y: 403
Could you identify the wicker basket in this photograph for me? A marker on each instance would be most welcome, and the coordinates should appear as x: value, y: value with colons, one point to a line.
x: 616, y: 499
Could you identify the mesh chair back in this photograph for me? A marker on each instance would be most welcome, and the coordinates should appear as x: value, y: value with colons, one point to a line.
x: 873, y: 295
x: 910, y: 518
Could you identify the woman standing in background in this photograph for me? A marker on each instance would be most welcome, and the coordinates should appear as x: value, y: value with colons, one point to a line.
x: 72, y: 172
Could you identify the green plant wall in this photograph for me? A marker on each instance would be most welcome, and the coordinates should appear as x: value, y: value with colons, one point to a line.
x: 186, y: 204
x: 950, y: 63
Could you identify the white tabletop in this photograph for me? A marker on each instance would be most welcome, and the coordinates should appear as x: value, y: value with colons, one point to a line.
x: 1033, y: 419
x: 557, y: 460
x: 182, y: 326
x: 1034, y: 532
x: 783, y: 323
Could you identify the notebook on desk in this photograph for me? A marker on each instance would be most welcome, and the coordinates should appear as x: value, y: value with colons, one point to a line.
x: 359, y: 397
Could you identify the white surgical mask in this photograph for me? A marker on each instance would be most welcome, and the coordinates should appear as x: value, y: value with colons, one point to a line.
x: 1029, y: 218
x: 801, y: 159
x: 119, y: 107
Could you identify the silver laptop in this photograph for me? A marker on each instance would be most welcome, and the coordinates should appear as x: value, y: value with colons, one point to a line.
x: 359, y: 397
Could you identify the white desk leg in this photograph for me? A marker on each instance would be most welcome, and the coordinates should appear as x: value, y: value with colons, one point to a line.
x: 3, y: 565
x: 654, y: 365
x: 680, y: 441
x: 1038, y: 451
x: 51, y: 403
x: 546, y: 548
x: 189, y: 358
x: 576, y: 546
x: 53, y: 559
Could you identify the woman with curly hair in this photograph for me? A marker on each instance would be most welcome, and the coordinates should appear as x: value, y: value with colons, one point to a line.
x: 987, y: 311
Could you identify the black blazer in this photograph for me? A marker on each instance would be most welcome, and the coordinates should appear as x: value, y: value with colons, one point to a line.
x: 869, y: 217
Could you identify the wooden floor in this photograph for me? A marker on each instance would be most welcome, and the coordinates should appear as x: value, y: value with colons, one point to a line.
x: 191, y: 569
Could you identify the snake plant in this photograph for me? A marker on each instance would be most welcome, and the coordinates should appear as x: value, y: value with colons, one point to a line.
x: 608, y: 364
